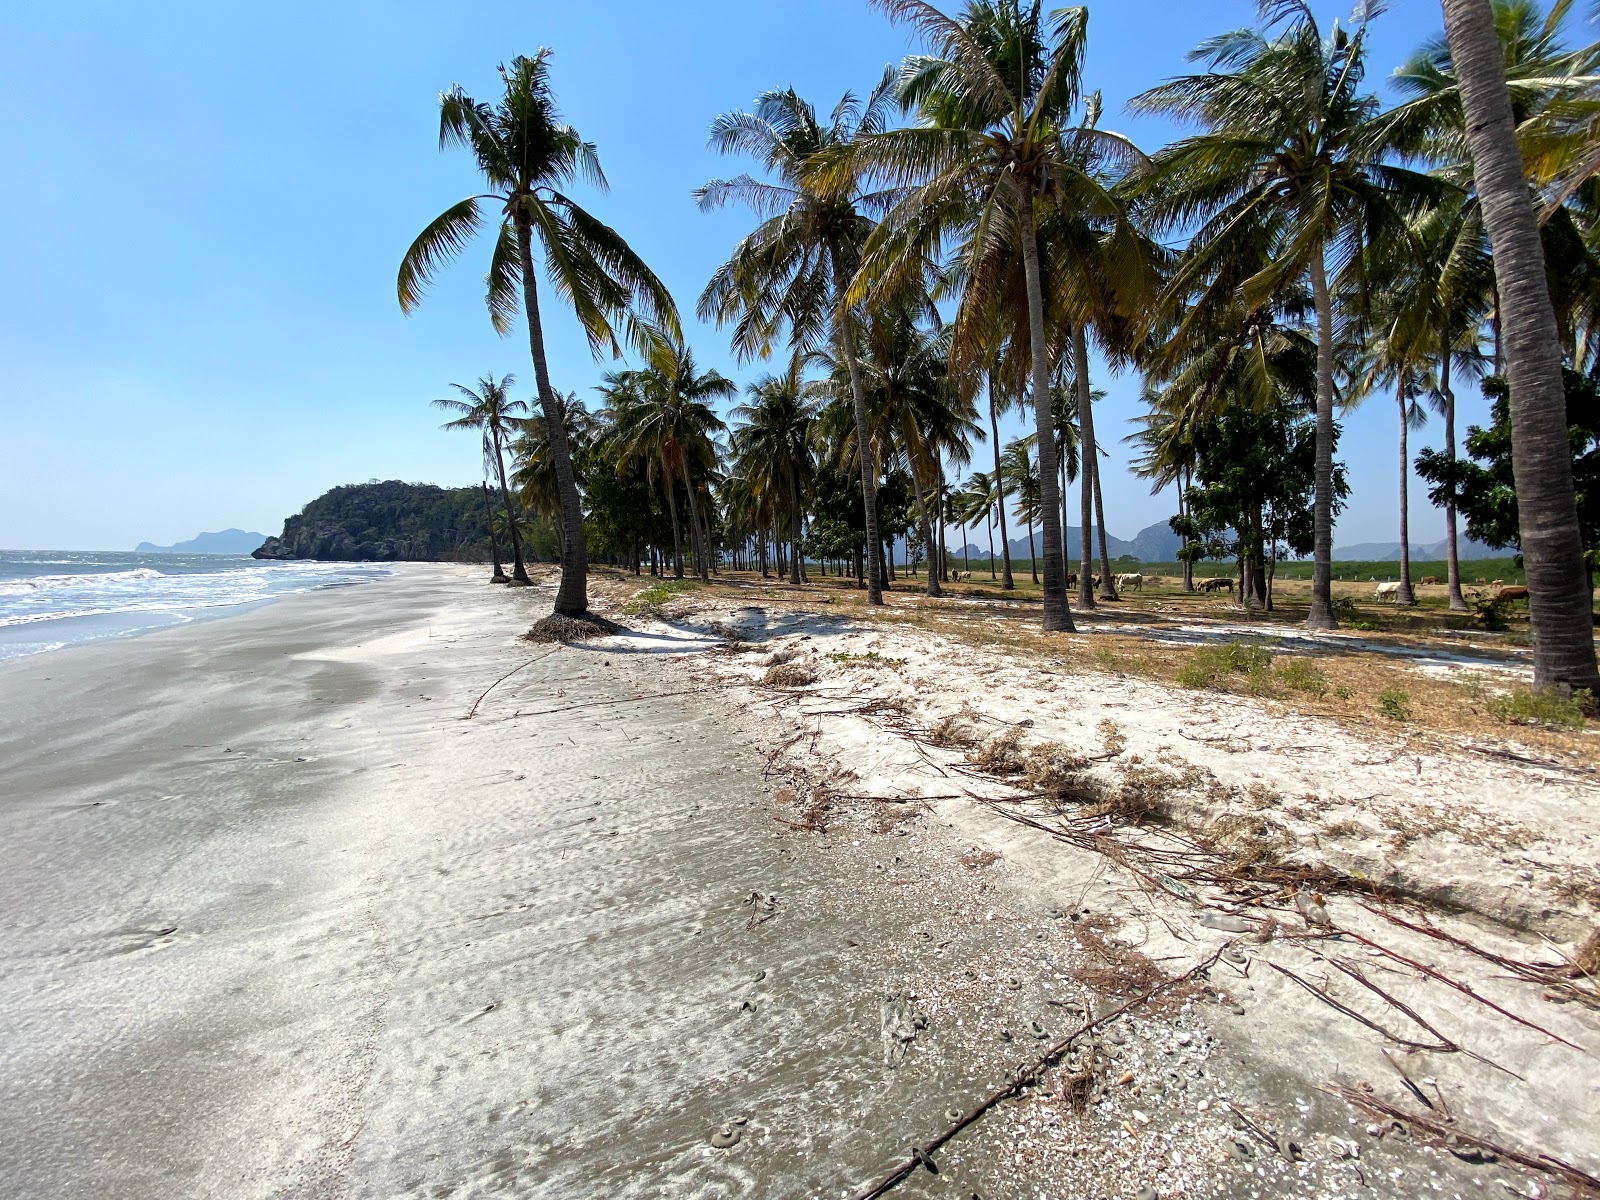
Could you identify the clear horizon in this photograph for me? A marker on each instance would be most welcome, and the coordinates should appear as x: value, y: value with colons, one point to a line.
x: 201, y: 329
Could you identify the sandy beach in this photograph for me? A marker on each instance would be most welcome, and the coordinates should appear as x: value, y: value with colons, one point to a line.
x: 281, y: 919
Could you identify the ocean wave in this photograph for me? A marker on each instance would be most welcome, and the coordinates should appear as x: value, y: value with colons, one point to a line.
x: 40, y: 583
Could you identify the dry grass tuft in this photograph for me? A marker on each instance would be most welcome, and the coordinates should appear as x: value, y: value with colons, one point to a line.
x: 789, y: 674
x: 1001, y: 755
x: 1249, y: 840
x: 558, y: 627
x: 978, y: 859
x: 1586, y: 958
x: 1055, y: 771
x: 959, y: 730
x: 1111, y: 736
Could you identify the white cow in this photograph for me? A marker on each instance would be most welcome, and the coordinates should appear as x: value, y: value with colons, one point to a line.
x: 1388, y: 591
x: 1134, y: 582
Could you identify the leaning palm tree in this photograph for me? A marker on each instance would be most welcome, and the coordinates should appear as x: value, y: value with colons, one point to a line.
x: 1286, y: 156
x: 790, y: 276
x: 495, y: 415
x: 527, y: 156
x: 1552, y: 547
x: 1022, y: 478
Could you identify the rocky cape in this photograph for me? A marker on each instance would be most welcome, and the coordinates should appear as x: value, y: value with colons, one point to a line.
x: 386, y: 521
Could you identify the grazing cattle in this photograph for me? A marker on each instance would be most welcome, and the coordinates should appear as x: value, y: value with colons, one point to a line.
x: 1214, y: 585
x: 1134, y: 580
x: 1510, y: 593
x: 1072, y: 580
x: 1499, y: 583
x: 1387, y: 591
x: 1430, y: 579
x: 1482, y: 580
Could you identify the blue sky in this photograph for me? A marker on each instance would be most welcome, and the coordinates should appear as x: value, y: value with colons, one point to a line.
x: 208, y: 202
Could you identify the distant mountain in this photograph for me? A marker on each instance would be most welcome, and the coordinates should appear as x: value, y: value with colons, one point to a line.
x: 391, y: 521
x: 1153, y: 543
x: 1466, y: 548
x: 229, y: 541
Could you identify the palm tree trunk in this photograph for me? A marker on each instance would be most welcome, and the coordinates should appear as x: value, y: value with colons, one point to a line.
x: 519, y: 572
x: 1405, y: 595
x: 1000, y: 491
x: 499, y: 575
x: 1559, y: 602
x: 1321, y: 615
x: 694, y: 527
x: 842, y: 324
x: 1057, y: 613
x: 1183, y: 511
x: 1033, y: 554
x: 1108, y: 585
x: 672, y: 510
x: 988, y: 524
x: 794, y: 531
x: 1452, y: 553
x: 927, y: 534
x: 572, y: 594
x: 1088, y: 463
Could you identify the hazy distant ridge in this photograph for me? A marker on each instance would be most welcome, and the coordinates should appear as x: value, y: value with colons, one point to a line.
x: 228, y: 541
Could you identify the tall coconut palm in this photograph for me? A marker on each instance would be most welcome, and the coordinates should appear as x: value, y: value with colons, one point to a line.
x: 688, y: 392
x: 527, y: 157
x: 1286, y: 154
x: 980, y: 499
x: 1552, y: 547
x: 492, y: 412
x: 997, y: 142
x: 789, y: 278
x: 1387, y: 365
x: 772, y: 449
x: 1022, y: 475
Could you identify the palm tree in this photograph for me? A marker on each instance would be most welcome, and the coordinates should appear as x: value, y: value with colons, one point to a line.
x: 526, y: 156
x: 1022, y: 474
x: 687, y: 393
x: 1552, y: 548
x: 980, y: 498
x: 1387, y: 364
x: 772, y: 449
x: 494, y: 414
x: 995, y: 148
x: 1286, y: 156
x: 792, y: 273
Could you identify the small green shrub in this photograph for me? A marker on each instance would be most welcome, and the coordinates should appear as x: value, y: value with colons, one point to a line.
x: 1524, y: 707
x: 1300, y: 676
x: 1490, y: 611
x: 1229, y: 666
x: 648, y: 603
x: 1395, y: 703
x: 1343, y: 693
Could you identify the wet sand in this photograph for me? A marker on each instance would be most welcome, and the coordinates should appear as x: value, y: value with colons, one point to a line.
x: 278, y: 921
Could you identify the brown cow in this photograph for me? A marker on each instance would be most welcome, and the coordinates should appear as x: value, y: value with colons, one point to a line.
x: 1212, y: 585
x: 1430, y: 579
x: 1507, y: 594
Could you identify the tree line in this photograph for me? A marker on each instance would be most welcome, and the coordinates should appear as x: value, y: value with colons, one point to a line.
x: 950, y: 245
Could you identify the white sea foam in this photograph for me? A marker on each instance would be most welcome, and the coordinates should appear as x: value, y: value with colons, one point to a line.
x: 177, y: 590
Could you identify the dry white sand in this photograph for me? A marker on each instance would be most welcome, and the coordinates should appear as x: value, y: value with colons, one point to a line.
x: 279, y: 921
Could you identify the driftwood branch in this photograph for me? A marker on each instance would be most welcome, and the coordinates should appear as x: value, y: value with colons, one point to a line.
x: 471, y: 712
x: 1027, y: 1073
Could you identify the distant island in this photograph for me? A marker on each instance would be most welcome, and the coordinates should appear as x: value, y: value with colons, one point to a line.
x: 387, y: 522
x: 228, y: 541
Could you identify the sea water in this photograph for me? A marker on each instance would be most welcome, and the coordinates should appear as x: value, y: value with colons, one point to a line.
x: 55, y: 598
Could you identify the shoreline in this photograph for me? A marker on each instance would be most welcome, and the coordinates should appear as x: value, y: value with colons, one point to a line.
x: 280, y: 920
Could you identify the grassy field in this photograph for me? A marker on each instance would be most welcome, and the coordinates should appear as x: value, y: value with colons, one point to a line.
x: 1356, y: 571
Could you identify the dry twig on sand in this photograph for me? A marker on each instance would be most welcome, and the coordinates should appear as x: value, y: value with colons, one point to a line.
x: 1027, y: 1074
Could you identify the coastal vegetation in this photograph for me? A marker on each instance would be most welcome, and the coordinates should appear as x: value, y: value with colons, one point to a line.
x: 949, y: 247
x: 393, y: 521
